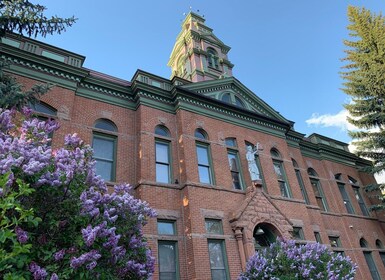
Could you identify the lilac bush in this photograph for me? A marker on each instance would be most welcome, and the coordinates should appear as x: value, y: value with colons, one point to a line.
x: 59, y: 220
x: 285, y: 260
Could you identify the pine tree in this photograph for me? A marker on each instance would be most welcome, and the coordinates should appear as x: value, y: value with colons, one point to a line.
x: 364, y: 77
x: 25, y: 18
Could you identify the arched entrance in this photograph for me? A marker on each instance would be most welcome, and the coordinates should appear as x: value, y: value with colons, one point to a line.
x: 264, y: 234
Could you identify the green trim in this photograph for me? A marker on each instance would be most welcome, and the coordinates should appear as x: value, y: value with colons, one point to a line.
x: 45, y: 78
x: 87, y: 93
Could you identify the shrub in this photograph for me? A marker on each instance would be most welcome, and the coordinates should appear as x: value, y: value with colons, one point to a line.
x: 58, y: 220
x: 285, y: 260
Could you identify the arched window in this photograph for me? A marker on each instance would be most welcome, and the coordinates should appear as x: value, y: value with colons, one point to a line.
x: 161, y: 130
x: 300, y: 181
x: 44, y: 112
x: 357, y: 194
x: 231, y: 98
x: 200, y: 134
x: 369, y: 259
x: 104, y: 145
x: 226, y: 97
x: 317, y: 189
x: 205, y: 172
x: 280, y: 173
x: 105, y: 125
x: 162, y: 155
x: 239, y: 102
x: 212, y: 58
x: 380, y: 246
x: 264, y: 234
x: 344, y: 194
x: 43, y: 108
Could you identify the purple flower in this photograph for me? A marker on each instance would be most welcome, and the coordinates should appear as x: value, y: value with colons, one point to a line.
x: 37, y: 272
x: 59, y: 255
x: 22, y: 235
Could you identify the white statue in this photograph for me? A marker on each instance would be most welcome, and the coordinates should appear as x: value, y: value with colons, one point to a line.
x: 253, y: 168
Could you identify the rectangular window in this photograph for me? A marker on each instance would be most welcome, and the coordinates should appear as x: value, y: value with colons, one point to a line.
x: 204, y: 165
x: 319, y: 196
x: 301, y: 185
x: 162, y: 158
x: 213, y: 226
x: 281, y: 176
x: 317, y: 236
x: 166, y: 227
x: 334, y: 241
x: 104, y: 147
x: 217, y: 259
x: 168, y: 260
x: 235, y: 169
x: 361, y: 202
x: 298, y: 233
x: 372, y: 266
x: 345, y: 198
x: 382, y: 255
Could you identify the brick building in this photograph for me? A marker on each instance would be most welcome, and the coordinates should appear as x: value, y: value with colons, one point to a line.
x: 225, y: 172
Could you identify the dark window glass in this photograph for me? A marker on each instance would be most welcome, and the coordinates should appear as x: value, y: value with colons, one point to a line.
x: 321, y: 202
x: 43, y: 108
x: 235, y: 170
x: 345, y: 198
x: 317, y: 236
x: 162, y: 131
x: 231, y: 142
x: 239, y: 102
x: 334, y: 241
x: 298, y: 233
x: 379, y: 244
x: 217, y: 260
x: 105, y: 125
x: 361, y: 202
x: 104, y: 155
x: 382, y: 255
x: 204, y: 168
x: 281, y: 176
x: 226, y: 97
x: 199, y: 133
x: 168, y: 262
x: 301, y: 185
x: 372, y: 266
x: 213, y: 226
x: 163, y: 172
x: 166, y: 227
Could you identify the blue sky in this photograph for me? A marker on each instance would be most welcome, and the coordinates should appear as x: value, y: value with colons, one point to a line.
x: 286, y: 52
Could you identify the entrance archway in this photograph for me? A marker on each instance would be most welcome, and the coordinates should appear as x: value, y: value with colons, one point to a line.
x: 264, y: 234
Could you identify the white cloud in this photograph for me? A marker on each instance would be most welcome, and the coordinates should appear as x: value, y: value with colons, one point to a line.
x: 329, y: 120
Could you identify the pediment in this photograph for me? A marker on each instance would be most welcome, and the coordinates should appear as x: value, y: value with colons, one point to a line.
x: 231, y: 91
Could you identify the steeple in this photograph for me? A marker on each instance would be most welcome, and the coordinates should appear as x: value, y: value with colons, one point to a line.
x: 198, y: 55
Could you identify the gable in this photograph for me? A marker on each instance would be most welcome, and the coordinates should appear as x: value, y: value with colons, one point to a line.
x: 231, y: 91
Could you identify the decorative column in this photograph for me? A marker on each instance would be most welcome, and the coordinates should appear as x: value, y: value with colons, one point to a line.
x: 239, y: 238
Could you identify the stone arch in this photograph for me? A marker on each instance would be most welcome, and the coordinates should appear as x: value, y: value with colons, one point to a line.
x: 255, y: 210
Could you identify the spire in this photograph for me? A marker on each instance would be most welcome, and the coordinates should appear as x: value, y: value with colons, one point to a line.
x: 198, y: 55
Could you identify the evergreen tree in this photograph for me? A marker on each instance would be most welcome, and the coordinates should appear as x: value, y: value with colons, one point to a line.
x: 25, y: 18
x: 364, y: 77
